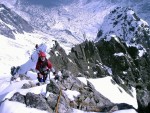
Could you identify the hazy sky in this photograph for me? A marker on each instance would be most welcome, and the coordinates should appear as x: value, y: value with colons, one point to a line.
x: 47, y: 3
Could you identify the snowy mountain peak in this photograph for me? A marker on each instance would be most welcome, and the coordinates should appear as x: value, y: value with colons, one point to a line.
x: 11, y: 23
x: 124, y: 23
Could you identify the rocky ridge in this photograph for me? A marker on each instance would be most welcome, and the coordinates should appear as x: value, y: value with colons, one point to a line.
x: 11, y: 23
x: 121, y: 51
x: 88, y: 99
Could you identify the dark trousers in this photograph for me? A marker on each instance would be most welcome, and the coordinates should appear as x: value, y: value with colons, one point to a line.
x: 42, y: 79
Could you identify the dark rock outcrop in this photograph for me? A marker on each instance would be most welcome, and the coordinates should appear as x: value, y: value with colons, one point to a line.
x: 18, y: 97
x: 12, y: 23
x: 112, y: 57
x: 88, y: 99
x: 83, y: 60
x: 133, y: 67
x: 37, y: 101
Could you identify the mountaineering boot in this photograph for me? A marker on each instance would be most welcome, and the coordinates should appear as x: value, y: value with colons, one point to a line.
x: 38, y: 84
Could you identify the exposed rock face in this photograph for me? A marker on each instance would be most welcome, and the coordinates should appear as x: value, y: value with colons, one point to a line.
x: 18, y: 97
x: 84, y: 60
x: 124, y: 65
x: 122, y: 51
x: 37, y: 101
x: 12, y: 23
x: 88, y: 99
x: 134, y: 64
x: 115, y: 58
x: 32, y: 100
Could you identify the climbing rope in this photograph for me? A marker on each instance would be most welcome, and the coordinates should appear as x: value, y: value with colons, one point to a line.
x: 58, y: 100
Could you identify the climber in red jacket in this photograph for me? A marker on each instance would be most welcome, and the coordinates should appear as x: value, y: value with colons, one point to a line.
x: 43, y: 67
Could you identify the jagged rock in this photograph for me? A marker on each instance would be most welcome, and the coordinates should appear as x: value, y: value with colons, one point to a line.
x: 143, y: 99
x: 88, y: 100
x: 65, y: 74
x: 37, y: 101
x: 63, y: 103
x: 63, y: 108
x: 91, y: 100
x: 52, y: 100
x: 69, y: 81
x: 91, y: 87
x: 112, y: 54
x: 116, y: 107
x: 26, y: 86
x: 8, y: 17
x: 124, y: 23
x: 60, y: 59
x: 53, y: 87
x: 109, y: 109
x: 86, y: 56
x: 18, y: 97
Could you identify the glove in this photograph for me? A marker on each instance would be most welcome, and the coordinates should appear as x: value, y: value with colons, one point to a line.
x: 46, y: 71
x: 54, y: 73
x: 56, y: 77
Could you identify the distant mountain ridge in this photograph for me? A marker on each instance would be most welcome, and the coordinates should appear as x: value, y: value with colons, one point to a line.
x: 11, y: 23
x: 78, y: 17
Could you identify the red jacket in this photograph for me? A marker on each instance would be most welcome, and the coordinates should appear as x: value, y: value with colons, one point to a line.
x: 42, y: 66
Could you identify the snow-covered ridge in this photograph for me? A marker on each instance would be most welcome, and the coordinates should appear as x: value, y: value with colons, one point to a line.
x: 124, y: 23
x: 9, y: 23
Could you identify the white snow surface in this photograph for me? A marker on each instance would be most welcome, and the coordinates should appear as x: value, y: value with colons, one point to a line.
x: 112, y: 91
